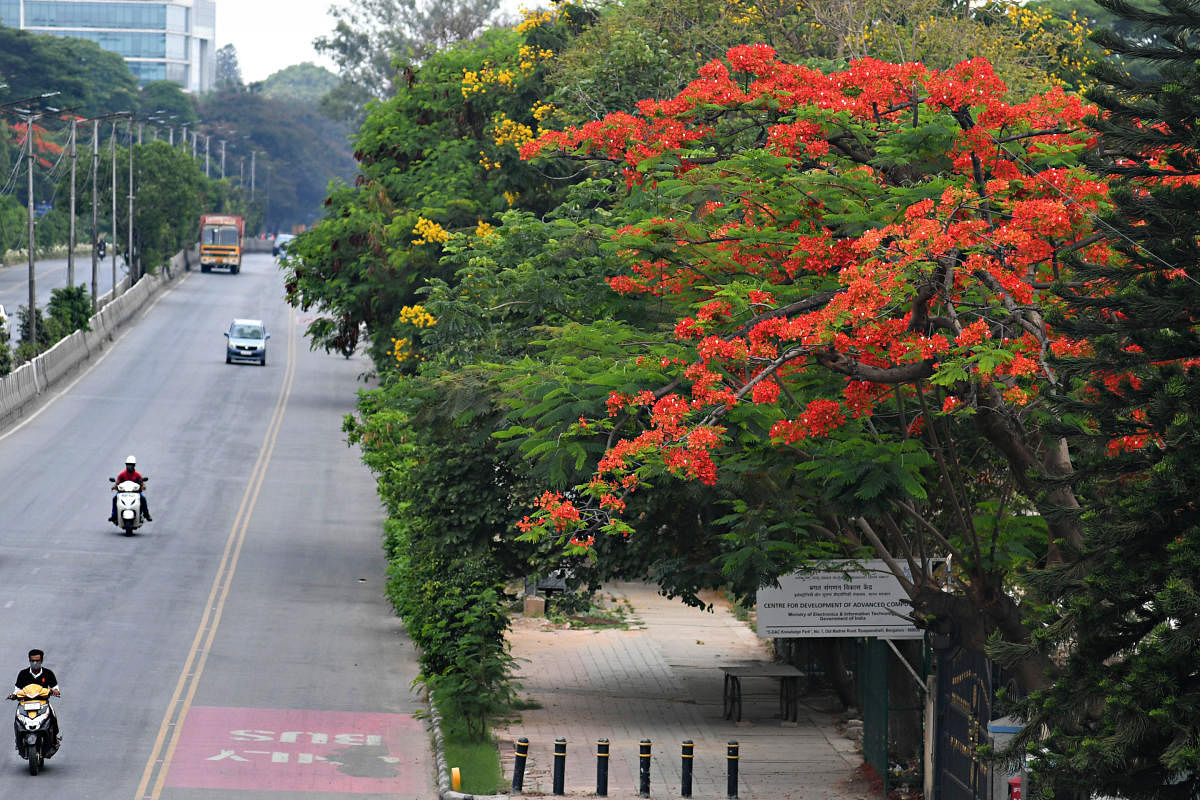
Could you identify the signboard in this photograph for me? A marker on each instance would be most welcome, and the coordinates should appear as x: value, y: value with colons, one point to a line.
x: 813, y: 604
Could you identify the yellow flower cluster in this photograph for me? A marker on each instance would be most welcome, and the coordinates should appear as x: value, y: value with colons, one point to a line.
x: 401, y: 351
x: 740, y: 12
x: 1060, y: 44
x: 429, y: 231
x: 511, y: 197
x: 542, y: 110
x: 531, y: 19
x: 508, y: 131
x: 477, y: 82
x: 530, y: 56
x: 486, y: 162
x: 483, y: 229
x: 417, y: 316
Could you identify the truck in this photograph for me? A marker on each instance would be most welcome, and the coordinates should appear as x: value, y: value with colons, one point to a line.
x: 221, y: 242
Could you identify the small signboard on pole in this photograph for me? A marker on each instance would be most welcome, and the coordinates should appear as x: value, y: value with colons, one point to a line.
x: 863, y: 599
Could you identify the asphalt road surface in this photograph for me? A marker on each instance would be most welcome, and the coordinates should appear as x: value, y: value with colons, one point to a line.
x: 239, y: 645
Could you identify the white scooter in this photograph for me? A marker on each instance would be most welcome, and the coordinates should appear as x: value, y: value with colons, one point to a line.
x: 129, y: 504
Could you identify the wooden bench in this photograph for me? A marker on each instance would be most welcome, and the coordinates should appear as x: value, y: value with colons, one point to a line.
x: 789, y: 688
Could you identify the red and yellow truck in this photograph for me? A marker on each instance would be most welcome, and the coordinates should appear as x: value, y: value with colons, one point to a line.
x: 221, y: 242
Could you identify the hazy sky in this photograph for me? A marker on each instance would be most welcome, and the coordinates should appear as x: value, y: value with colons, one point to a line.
x: 272, y: 34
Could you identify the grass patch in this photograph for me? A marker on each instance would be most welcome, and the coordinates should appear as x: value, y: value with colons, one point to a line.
x: 478, y: 762
x: 590, y: 611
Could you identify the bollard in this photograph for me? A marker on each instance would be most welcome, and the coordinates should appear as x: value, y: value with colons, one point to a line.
x: 602, y: 767
x: 685, y: 788
x: 731, y: 784
x: 519, y: 765
x: 455, y: 779
x: 560, y: 765
x: 644, y: 771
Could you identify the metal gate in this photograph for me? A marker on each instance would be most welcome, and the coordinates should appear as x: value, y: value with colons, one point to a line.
x: 873, y: 700
x: 964, y: 706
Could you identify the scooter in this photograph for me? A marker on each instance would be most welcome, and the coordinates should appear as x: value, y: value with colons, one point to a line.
x: 35, y: 734
x: 129, y: 504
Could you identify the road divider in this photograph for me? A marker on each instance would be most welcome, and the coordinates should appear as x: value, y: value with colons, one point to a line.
x: 22, y: 387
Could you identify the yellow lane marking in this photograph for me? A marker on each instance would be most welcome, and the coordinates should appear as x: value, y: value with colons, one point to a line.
x: 169, y: 732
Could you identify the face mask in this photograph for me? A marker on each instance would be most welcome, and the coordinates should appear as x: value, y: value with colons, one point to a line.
x: 35, y: 666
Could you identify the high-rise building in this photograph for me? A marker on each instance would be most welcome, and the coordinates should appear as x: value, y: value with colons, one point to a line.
x: 159, y: 39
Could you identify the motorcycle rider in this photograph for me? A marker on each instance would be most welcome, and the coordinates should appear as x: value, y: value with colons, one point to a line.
x: 37, y: 673
x: 131, y: 474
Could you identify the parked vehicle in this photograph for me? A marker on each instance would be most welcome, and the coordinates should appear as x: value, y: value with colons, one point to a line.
x: 33, y: 726
x: 247, y: 342
x: 129, y: 505
x: 280, y: 246
x: 221, y: 242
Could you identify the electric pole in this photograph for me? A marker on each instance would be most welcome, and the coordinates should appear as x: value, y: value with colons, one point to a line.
x: 222, y: 159
x: 129, y: 256
x: 32, y: 242
x: 71, y: 234
x: 95, y: 176
x: 113, y: 143
x: 253, y: 153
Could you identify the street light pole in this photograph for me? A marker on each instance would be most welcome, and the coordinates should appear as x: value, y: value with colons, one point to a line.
x: 222, y: 159
x: 253, y: 153
x: 32, y: 242
x: 95, y: 176
x: 71, y: 235
x: 129, y: 255
x: 113, y: 143
x: 206, y: 143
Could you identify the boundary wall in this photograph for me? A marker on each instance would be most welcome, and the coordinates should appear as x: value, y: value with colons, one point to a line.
x: 22, y: 387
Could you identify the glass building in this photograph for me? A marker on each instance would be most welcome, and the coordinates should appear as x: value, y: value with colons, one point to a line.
x: 159, y: 39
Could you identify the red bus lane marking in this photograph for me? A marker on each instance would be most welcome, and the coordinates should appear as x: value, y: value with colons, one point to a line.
x: 299, y: 751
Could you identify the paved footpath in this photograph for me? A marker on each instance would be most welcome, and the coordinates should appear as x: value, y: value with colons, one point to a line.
x: 661, y: 680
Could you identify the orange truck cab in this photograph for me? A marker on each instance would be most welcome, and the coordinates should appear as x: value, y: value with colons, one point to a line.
x: 221, y: 242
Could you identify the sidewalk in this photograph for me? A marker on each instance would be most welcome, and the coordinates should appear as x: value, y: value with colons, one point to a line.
x: 661, y: 681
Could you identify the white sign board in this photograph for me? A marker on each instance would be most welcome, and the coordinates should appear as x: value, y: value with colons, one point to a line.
x: 812, y: 604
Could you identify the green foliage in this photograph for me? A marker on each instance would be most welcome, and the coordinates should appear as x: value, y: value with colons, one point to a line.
x: 419, y: 159
x: 229, y: 73
x: 90, y: 81
x: 164, y: 100
x: 6, y: 353
x: 299, y: 153
x: 31, y: 346
x: 70, y: 309
x: 304, y: 84
x: 372, y: 35
x: 14, y: 233
x: 1123, y: 716
x: 168, y: 185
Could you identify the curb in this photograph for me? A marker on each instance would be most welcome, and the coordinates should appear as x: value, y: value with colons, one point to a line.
x: 439, y: 757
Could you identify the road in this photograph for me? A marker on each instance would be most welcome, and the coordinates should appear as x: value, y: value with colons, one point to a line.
x: 51, y: 274
x: 240, y: 643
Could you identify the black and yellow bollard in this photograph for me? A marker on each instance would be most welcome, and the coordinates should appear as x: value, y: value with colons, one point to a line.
x: 731, y: 789
x: 685, y: 787
x: 519, y: 765
x: 560, y: 766
x: 644, y: 769
x: 602, y: 767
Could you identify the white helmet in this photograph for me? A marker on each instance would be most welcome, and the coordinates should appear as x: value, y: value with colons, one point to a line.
x: 130, y: 460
